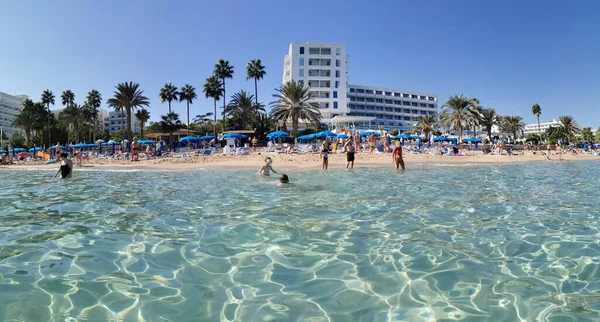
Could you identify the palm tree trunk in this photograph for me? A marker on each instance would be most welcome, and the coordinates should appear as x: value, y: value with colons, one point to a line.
x: 539, y: 128
x: 224, y: 99
x: 49, y: 139
x: 95, y: 126
x: 129, y: 134
x: 169, y: 106
x: 256, y: 91
x: 188, y: 118
x: 141, y: 130
x: 76, y: 129
x: 215, y: 123
x: 122, y: 122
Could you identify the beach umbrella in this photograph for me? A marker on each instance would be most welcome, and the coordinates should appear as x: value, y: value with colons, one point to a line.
x: 207, y: 138
x: 367, y: 133
x: 18, y: 150
x: 60, y: 147
x: 79, y: 145
x: 440, y: 139
x: 3, y: 151
x: 34, y: 149
x: 147, y: 142
x: 99, y: 141
x: 233, y: 135
x: 278, y: 135
x: 189, y: 139
x: 342, y: 136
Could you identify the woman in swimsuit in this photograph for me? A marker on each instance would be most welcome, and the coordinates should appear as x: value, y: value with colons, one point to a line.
x: 325, y: 154
x: 397, y: 157
x: 66, y: 167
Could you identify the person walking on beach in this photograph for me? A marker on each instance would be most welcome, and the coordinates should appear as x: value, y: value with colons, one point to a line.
x: 357, y: 141
x: 349, y: 153
x: 372, y: 142
x: 135, y: 146
x: 397, y: 157
x: 66, y: 166
x: 559, y: 151
x: 325, y: 154
x: 548, y: 148
x: 264, y: 170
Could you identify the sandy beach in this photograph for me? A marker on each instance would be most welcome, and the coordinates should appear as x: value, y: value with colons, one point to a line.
x: 302, y: 161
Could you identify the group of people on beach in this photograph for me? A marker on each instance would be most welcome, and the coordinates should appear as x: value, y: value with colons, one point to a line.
x: 349, y: 146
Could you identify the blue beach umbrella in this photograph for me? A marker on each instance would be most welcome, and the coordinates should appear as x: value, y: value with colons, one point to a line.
x: 18, y: 150
x: 35, y: 149
x: 233, y: 135
x: 3, y: 151
x: 278, y: 135
x: 207, y: 138
x: 147, y: 142
x: 189, y: 139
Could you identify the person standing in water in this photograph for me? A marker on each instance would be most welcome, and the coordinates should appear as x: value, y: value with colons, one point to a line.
x: 66, y: 166
x: 264, y: 170
x: 372, y: 142
x: 349, y: 153
x: 397, y: 156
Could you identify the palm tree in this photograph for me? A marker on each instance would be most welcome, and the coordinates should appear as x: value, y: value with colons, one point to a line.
x: 488, y: 120
x: 142, y: 116
x: 214, y: 89
x: 128, y: 96
x: 456, y: 114
x: 48, y: 98
x: 27, y: 119
x: 188, y: 94
x: 474, y: 112
x: 241, y: 108
x: 587, y: 134
x: 513, y: 124
x: 94, y: 101
x: 223, y: 71
x: 72, y: 117
x: 425, y: 124
x: 537, y: 111
x: 170, y: 123
x: 568, y: 127
x: 255, y: 70
x: 293, y: 102
x: 67, y: 98
x: 168, y: 93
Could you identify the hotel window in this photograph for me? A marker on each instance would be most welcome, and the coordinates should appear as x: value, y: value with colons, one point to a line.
x: 423, y: 105
x: 388, y: 93
x: 406, y: 110
x: 414, y: 96
x: 325, y: 51
x: 338, y: 51
x: 379, y: 92
x: 337, y: 63
x: 314, y: 51
x: 405, y: 103
x: 369, y: 91
x: 398, y: 102
x: 397, y: 94
x: 337, y: 85
x: 351, y: 90
x: 360, y: 90
x: 430, y: 105
x: 360, y: 99
x: 301, y: 72
x: 379, y: 100
x: 431, y: 98
x: 415, y: 104
x: 423, y: 97
x: 389, y: 109
x: 335, y: 105
x: 405, y: 95
x: 415, y: 112
x: 389, y: 102
x: 352, y: 99
x: 407, y: 118
x: 370, y: 100
x: 337, y: 73
x: 334, y: 94
x: 301, y: 50
x: 301, y: 61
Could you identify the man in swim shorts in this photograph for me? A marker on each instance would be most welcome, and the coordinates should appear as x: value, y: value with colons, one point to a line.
x: 349, y: 153
x: 372, y: 142
x: 264, y: 170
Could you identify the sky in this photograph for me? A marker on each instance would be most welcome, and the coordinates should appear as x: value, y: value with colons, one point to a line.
x: 508, y: 54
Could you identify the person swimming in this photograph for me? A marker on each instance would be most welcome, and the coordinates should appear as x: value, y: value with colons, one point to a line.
x: 264, y: 170
x: 284, y: 178
x: 66, y: 166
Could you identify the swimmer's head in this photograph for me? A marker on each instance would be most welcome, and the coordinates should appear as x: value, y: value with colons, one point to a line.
x: 284, y: 178
x: 268, y: 160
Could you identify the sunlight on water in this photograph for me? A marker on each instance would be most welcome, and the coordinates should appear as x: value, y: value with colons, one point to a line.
x: 505, y: 243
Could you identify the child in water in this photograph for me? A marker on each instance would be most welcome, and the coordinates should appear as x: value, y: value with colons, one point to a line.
x: 284, y: 178
x: 264, y: 170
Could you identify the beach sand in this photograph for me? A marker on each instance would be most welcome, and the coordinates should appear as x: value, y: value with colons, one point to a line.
x: 281, y: 162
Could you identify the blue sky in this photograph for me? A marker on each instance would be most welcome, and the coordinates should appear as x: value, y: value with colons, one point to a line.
x: 508, y: 54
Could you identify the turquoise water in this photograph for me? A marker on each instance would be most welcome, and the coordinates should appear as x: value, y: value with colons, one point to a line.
x: 502, y: 243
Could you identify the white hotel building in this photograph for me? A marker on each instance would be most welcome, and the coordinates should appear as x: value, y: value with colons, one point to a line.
x: 533, y: 128
x: 115, y: 124
x: 10, y: 106
x: 324, y: 67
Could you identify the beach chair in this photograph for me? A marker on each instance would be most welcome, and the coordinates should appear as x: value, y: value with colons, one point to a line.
x: 207, y: 152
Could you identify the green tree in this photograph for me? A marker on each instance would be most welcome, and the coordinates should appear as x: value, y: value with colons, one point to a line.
x: 94, y: 101
x: 568, y: 127
x: 72, y: 118
x: 170, y: 123
x: 214, y: 89
x: 223, y: 71
x: 264, y: 124
x: 27, y: 120
x: 293, y: 102
x: 142, y: 116
x: 16, y: 140
x: 537, y: 111
x: 128, y: 96
x: 48, y: 99
x: 587, y: 134
x: 513, y: 124
x: 168, y: 93
x: 457, y: 114
x: 242, y: 110
x: 533, y: 138
x: 68, y: 98
x: 488, y: 120
x: 256, y: 71
x: 188, y: 94
x: 425, y: 124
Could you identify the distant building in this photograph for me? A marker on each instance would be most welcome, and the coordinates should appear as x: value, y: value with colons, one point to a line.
x: 533, y: 128
x: 10, y: 106
x: 115, y: 124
